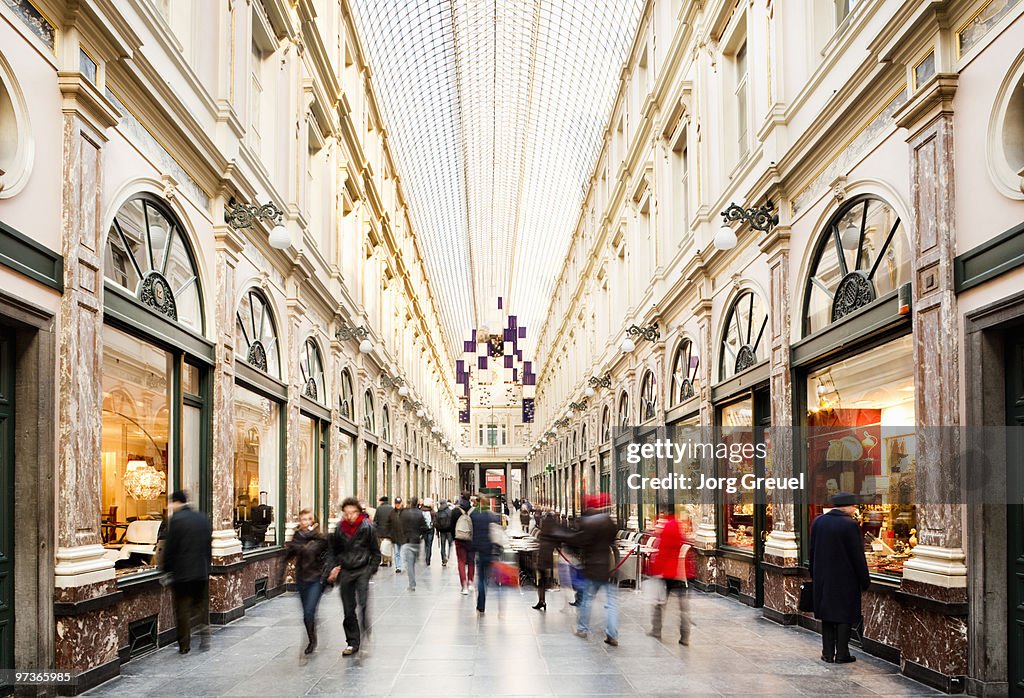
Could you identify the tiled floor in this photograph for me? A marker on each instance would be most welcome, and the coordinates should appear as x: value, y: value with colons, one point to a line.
x: 431, y: 642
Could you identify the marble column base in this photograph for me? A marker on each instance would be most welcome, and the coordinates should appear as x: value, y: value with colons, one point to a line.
x: 227, y: 602
x: 289, y: 530
x: 706, y: 536
x: 937, y: 567
x: 87, y: 621
x: 780, y: 548
x: 82, y: 566
x: 225, y: 544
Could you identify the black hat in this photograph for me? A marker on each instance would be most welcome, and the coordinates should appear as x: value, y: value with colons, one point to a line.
x: 843, y: 499
x: 179, y: 496
x: 384, y: 499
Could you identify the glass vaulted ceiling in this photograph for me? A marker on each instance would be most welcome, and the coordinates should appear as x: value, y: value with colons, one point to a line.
x: 495, y: 110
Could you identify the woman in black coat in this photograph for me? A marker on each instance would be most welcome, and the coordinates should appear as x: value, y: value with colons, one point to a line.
x: 308, y: 547
x: 839, y: 571
x: 545, y: 559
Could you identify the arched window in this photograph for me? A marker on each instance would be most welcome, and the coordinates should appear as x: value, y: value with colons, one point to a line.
x: 311, y: 369
x: 684, y: 373
x: 369, y: 413
x: 583, y: 439
x: 256, y: 334
x: 575, y: 443
x: 648, y: 397
x: 862, y: 254
x: 385, y: 424
x: 624, y: 410
x: 606, y: 425
x: 148, y: 254
x: 346, y: 402
x: 743, y: 340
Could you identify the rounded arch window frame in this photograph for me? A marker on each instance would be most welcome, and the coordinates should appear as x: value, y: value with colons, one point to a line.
x: 369, y: 411
x: 385, y: 424
x: 252, y: 357
x: 19, y: 168
x: 647, y: 405
x: 824, y: 236
x: 314, y: 385
x: 346, y: 395
x: 622, y: 409
x: 1009, y: 183
x: 147, y: 295
x: 739, y: 367
x: 606, y: 424
x: 682, y: 390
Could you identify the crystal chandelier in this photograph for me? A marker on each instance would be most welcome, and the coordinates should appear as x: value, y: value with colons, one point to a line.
x: 143, y: 481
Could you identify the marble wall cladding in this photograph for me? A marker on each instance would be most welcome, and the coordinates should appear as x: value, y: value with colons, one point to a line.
x: 226, y: 592
x: 930, y: 591
x: 223, y: 396
x: 707, y: 569
x: 143, y: 602
x: 272, y: 568
x: 782, y: 591
x: 84, y: 592
x: 928, y: 638
x: 87, y: 641
x: 742, y: 570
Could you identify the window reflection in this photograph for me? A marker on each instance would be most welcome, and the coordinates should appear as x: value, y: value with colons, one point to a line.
x: 257, y: 467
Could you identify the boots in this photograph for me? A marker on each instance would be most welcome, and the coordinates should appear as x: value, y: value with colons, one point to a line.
x: 311, y: 634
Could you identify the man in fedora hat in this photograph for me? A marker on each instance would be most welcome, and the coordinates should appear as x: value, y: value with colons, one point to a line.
x: 839, y: 571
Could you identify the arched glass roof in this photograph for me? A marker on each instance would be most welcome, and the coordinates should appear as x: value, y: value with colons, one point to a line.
x: 495, y: 110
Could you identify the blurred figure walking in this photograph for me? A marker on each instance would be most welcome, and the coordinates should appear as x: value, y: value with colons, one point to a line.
x: 483, y: 548
x: 462, y: 527
x: 596, y: 541
x: 413, y: 527
x: 382, y: 520
x: 308, y: 547
x: 428, y: 536
x: 354, y: 557
x: 186, y: 560
x: 839, y: 572
x: 397, y: 537
x: 443, y: 525
x: 674, y: 563
x: 545, y: 558
x: 524, y: 518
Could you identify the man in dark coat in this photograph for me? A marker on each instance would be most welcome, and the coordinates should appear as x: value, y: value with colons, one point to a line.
x: 397, y: 537
x: 382, y: 519
x: 840, y: 573
x: 413, y: 527
x: 354, y: 556
x: 483, y: 547
x: 186, y: 559
x: 596, y: 542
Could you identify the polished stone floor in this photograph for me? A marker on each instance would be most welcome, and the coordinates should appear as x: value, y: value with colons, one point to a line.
x: 431, y: 642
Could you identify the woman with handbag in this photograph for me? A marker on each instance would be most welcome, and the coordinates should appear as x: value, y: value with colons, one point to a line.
x: 308, y: 547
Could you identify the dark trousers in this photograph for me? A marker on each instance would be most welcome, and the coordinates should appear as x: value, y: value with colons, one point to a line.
x: 444, y: 542
x: 309, y: 594
x: 428, y: 544
x: 483, y: 575
x: 189, y: 608
x: 355, y: 592
x: 835, y: 640
x: 677, y: 588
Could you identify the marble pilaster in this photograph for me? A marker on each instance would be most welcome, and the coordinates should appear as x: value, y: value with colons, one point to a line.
x: 939, y: 559
x: 79, y: 556
x: 707, y: 529
x: 296, y: 312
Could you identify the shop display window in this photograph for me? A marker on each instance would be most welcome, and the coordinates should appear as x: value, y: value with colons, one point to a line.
x: 309, y: 448
x: 686, y: 502
x: 257, y: 468
x: 744, y: 344
x: 737, y: 425
x: 136, y: 448
x: 861, y: 439
x: 648, y: 468
x: 684, y: 373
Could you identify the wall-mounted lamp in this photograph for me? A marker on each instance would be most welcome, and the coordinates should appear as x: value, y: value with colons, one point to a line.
x: 563, y: 422
x: 581, y: 405
x: 595, y: 382
x: 387, y: 381
x: 651, y: 333
x: 240, y: 216
x: 345, y: 333
x: 761, y: 218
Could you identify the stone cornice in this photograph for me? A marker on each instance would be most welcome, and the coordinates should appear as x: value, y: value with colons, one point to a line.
x: 932, y: 100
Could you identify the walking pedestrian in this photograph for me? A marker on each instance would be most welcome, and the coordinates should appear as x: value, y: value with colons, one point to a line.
x: 186, y: 561
x: 462, y: 528
x: 596, y: 541
x: 839, y: 572
x: 382, y: 520
x: 428, y: 536
x: 483, y: 548
x: 545, y: 559
x: 674, y: 564
x: 397, y: 537
x: 308, y: 547
x: 524, y: 518
x: 414, y: 527
x: 443, y: 524
x: 354, y: 554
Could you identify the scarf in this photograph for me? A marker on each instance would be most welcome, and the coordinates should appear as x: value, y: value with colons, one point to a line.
x: 349, y: 529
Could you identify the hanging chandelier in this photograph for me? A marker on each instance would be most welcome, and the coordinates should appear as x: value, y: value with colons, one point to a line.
x: 143, y: 481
